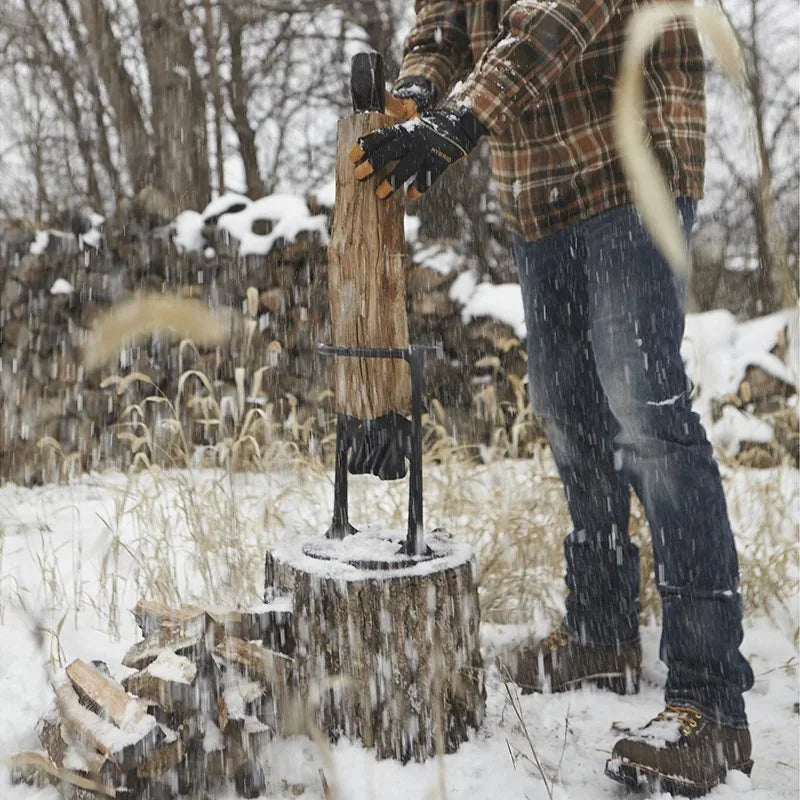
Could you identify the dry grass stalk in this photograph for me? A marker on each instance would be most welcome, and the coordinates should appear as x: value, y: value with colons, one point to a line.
x: 145, y: 314
x: 650, y: 191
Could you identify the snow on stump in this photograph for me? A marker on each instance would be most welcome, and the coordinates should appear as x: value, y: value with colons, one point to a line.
x: 386, y: 645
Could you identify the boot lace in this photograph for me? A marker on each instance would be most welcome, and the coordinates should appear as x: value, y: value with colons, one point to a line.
x: 558, y: 638
x: 686, y: 717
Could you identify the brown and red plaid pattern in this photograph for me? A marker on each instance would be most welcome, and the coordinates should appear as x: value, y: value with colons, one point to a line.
x: 539, y: 75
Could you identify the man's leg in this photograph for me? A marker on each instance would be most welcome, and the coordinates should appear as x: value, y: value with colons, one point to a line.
x: 602, y: 566
x: 637, y: 323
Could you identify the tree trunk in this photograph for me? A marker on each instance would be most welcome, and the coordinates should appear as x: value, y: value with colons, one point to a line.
x: 211, y: 30
x: 238, y: 94
x: 390, y: 656
x: 120, y: 92
x: 367, y: 285
x: 178, y: 102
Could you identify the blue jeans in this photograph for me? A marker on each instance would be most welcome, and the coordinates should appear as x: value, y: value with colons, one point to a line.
x: 605, y: 320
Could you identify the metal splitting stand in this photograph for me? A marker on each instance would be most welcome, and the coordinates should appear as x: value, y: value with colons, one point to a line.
x: 348, y: 428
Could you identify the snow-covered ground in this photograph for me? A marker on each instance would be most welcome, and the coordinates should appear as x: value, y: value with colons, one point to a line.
x: 74, y: 559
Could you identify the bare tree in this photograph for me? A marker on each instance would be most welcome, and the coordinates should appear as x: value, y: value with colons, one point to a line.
x: 753, y: 176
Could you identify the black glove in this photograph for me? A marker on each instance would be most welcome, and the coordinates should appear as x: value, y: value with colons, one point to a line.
x: 424, y: 146
x: 420, y: 90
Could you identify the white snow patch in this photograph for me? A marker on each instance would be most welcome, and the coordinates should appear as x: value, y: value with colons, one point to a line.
x: 717, y: 351
x: 411, y: 225
x: 188, y: 235
x: 92, y: 238
x: 501, y: 301
x: 220, y: 205
x: 735, y: 427
x: 441, y: 258
x: 169, y: 666
x: 289, y: 214
x: 325, y: 194
x: 39, y: 244
x: 61, y: 286
x: 463, y: 287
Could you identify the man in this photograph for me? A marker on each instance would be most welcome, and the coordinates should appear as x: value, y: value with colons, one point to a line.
x: 605, y: 320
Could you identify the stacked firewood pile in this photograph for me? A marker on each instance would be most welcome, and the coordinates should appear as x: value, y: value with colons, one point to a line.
x: 56, y: 419
x: 209, y: 692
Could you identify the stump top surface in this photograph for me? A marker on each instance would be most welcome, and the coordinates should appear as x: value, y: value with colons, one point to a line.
x: 370, y: 550
x: 372, y: 554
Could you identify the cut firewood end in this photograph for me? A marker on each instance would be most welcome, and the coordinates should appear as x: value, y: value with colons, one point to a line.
x: 152, y: 617
x: 168, y: 681
x: 148, y: 650
x: 254, y: 661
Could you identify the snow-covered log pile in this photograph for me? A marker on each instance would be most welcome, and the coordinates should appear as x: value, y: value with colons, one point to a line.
x: 203, y: 703
x: 263, y: 265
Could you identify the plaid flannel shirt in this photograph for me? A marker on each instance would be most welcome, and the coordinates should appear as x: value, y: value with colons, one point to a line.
x: 540, y: 74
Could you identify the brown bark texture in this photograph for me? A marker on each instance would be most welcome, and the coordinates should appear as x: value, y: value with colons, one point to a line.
x: 392, y: 660
x: 178, y: 99
x: 367, y: 284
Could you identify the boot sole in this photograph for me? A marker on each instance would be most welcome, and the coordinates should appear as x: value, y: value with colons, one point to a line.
x: 617, y: 682
x: 635, y: 775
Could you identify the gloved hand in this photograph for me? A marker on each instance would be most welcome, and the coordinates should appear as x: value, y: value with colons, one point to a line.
x: 424, y: 146
x: 418, y: 89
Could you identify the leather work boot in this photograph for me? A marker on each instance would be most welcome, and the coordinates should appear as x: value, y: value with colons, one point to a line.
x: 680, y: 752
x: 560, y: 662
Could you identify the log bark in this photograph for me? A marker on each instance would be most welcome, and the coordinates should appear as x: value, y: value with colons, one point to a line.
x: 391, y: 657
x: 367, y: 285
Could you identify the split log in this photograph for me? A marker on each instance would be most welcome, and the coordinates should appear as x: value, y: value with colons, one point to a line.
x: 147, y: 651
x: 161, y: 759
x: 269, y: 670
x: 390, y: 656
x: 126, y: 748
x: 254, y: 661
x: 152, y: 617
x: 104, y: 695
x: 267, y: 623
x: 366, y: 285
x: 245, y: 740
x: 48, y: 729
x: 169, y: 681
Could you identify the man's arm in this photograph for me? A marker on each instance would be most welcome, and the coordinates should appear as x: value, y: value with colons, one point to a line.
x: 538, y: 38
x: 437, y: 48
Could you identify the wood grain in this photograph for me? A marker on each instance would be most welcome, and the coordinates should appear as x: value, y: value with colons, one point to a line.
x: 367, y: 284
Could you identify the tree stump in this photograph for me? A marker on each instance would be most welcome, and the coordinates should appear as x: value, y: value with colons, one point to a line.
x: 386, y: 645
x: 367, y: 284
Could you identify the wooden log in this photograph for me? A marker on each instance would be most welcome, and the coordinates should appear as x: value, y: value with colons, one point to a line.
x: 152, y: 617
x: 99, y: 691
x: 389, y: 656
x: 261, y: 623
x: 126, y: 748
x: 169, y: 681
x: 48, y: 728
x: 148, y: 650
x: 254, y: 661
x: 161, y: 759
x: 366, y: 284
